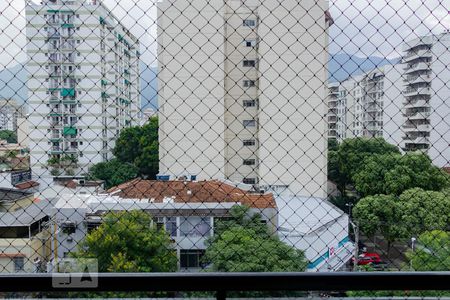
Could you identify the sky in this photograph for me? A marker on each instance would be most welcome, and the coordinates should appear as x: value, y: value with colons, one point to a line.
x: 362, y: 27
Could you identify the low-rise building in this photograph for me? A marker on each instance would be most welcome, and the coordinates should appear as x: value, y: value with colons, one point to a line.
x: 188, y: 210
x: 24, y: 232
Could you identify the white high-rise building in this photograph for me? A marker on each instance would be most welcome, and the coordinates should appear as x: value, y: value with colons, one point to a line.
x: 242, y: 89
x: 83, y: 83
x: 10, y: 111
x: 368, y: 105
x: 427, y: 97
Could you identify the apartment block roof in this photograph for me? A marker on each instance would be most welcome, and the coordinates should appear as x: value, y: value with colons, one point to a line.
x: 211, y: 191
x: 12, y: 195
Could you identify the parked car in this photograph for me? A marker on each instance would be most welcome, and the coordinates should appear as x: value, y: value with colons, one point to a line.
x: 367, y: 258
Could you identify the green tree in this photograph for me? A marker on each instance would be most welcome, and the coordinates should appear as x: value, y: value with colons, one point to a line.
x: 346, y: 159
x: 432, y: 252
x: 379, y: 213
x: 139, y: 146
x: 423, y: 211
x: 394, y: 173
x: 8, y: 135
x: 113, y: 172
x: 128, y: 242
x: 333, y: 144
x: 245, y: 244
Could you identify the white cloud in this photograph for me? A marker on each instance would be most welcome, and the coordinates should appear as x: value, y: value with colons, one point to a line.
x: 366, y: 27
x: 363, y: 27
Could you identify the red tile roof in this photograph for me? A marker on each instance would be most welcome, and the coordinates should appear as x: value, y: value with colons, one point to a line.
x: 446, y: 169
x: 26, y: 185
x: 212, y: 191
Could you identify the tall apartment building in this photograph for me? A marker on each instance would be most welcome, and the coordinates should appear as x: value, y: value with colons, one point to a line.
x: 427, y: 97
x: 10, y: 111
x: 242, y: 88
x: 367, y: 105
x: 83, y: 83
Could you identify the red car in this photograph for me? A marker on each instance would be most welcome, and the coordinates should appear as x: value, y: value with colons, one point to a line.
x: 369, y: 258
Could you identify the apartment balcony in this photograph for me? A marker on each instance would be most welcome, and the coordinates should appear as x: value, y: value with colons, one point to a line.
x: 417, y: 91
x: 372, y: 108
x: 70, y: 150
x: 424, y: 53
x: 421, y: 66
x: 418, y: 128
x: 332, y: 119
x: 417, y: 115
x: 416, y: 103
x: 416, y: 140
x: 417, y: 79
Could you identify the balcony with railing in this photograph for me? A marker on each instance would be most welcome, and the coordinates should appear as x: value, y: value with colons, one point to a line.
x: 423, y: 53
x: 417, y: 91
x: 413, y: 79
x: 415, y: 67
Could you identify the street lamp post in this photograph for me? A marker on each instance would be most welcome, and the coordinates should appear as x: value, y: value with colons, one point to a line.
x: 413, y: 241
x: 356, y: 233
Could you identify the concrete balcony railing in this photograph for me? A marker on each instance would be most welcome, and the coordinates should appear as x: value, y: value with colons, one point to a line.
x: 417, y: 91
x: 416, y: 103
x: 421, y: 66
x: 424, y: 53
x: 417, y: 115
x: 417, y: 79
x: 418, y: 128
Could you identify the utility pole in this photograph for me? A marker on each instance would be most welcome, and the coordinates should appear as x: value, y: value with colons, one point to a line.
x: 356, y: 250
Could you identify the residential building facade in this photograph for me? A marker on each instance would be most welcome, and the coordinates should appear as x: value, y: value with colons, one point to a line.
x: 187, y: 210
x: 83, y: 83
x: 242, y: 88
x: 10, y: 111
x: 426, y: 93
x: 368, y: 105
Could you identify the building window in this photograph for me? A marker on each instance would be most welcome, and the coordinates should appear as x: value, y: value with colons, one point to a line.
x: 249, y: 180
x: 249, y: 63
x: 159, y: 221
x: 249, y: 142
x: 249, y: 23
x: 249, y: 83
x: 249, y: 123
x: 249, y: 103
x: 19, y: 264
x: 191, y: 258
x: 250, y: 43
x: 195, y: 226
x: 171, y: 226
x: 249, y: 162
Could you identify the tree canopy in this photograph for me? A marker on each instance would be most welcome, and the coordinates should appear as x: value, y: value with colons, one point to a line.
x: 432, y: 252
x: 139, y: 146
x: 411, y: 213
x: 128, y: 242
x: 8, y: 135
x: 347, y: 158
x: 113, y: 172
x: 245, y: 244
x: 393, y: 173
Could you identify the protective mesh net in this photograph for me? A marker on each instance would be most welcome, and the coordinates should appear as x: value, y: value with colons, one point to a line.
x: 224, y: 135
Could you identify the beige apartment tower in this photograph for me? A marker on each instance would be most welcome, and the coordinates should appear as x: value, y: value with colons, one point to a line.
x: 242, y: 89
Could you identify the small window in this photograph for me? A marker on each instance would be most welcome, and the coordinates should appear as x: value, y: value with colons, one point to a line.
x: 249, y: 123
x: 249, y: 142
x: 249, y: 83
x: 249, y: 23
x: 191, y: 258
x: 68, y: 227
x: 249, y: 63
x: 249, y: 162
x: 249, y: 103
x: 249, y: 180
x: 19, y: 264
x: 250, y: 43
